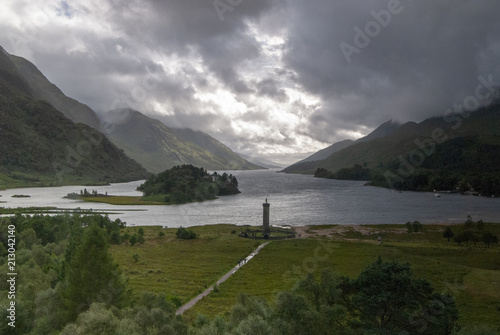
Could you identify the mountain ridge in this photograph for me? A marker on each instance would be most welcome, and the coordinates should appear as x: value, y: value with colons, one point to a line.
x: 383, y: 130
x: 159, y: 147
x: 197, y: 148
x: 39, y: 146
x: 443, y: 153
x: 307, y: 164
x: 43, y: 89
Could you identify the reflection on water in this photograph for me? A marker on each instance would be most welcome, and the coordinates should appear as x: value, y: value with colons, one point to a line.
x: 295, y: 200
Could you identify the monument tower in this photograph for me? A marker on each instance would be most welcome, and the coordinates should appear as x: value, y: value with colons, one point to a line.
x: 265, y: 224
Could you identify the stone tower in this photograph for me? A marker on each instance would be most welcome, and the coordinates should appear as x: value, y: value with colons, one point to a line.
x: 265, y: 224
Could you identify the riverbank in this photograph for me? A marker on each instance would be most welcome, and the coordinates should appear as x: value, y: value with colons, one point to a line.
x: 133, y: 200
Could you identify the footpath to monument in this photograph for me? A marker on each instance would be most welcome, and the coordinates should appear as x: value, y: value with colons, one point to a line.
x: 190, y: 304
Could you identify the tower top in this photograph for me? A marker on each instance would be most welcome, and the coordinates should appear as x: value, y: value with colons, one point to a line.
x: 266, y: 204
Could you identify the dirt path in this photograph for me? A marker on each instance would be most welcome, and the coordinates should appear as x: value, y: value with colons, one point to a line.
x: 190, y: 304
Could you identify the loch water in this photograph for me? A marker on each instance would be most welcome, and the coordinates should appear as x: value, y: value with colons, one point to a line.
x: 295, y: 200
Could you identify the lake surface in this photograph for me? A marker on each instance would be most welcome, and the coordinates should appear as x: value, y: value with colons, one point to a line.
x: 295, y: 200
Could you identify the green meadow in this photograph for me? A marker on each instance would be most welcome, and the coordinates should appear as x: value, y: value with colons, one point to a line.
x: 182, y: 269
x: 124, y: 200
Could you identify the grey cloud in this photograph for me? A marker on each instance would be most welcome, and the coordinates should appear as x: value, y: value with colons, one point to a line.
x: 425, y: 60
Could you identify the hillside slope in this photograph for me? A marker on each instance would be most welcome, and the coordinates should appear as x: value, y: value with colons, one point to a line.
x: 40, y: 146
x: 158, y: 147
x: 311, y: 163
x: 409, y: 139
x: 43, y: 89
x: 455, y: 152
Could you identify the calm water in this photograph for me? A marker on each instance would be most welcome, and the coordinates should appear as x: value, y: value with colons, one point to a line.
x: 295, y: 200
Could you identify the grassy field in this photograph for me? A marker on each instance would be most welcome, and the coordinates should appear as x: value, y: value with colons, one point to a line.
x: 130, y: 200
x: 181, y: 268
x: 123, y: 200
x: 185, y: 268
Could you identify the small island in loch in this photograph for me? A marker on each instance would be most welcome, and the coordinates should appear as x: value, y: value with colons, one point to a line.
x: 178, y: 185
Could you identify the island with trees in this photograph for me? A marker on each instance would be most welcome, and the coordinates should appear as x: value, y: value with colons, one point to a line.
x: 178, y: 185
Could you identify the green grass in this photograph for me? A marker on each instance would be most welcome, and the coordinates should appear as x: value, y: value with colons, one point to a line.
x: 321, y: 227
x: 181, y: 268
x: 130, y: 200
x: 52, y: 210
x: 186, y: 268
x: 123, y: 200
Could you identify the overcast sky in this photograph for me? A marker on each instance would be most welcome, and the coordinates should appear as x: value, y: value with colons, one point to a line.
x: 275, y: 78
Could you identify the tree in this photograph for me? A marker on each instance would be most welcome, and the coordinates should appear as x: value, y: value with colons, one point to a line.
x: 385, y: 297
x: 92, y: 274
x: 448, y: 233
x: 488, y: 238
x: 480, y: 225
x: 234, y: 181
x: 185, y: 234
x: 132, y: 240
x: 459, y: 238
x: 469, y: 224
x: 28, y: 237
x: 97, y: 320
x: 415, y: 227
x: 466, y: 236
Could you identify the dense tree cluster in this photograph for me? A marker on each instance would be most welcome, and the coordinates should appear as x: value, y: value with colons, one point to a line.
x: 464, y: 164
x: 471, y: 232
x: 384, y: 299
x: 185, y: 234
x: 68, y: 282
x: 187, y: 183
x: 357, y: 172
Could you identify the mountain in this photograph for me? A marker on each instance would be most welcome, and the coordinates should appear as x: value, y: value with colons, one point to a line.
x: 483, y: 125
x: 39, y: 146
x: 324, y: 153
x: 158, y: 147
x: 457, y: 150
x: 260, y: 161
x: 383, y: 130
x: 43, y: 89
x: 306, y: 165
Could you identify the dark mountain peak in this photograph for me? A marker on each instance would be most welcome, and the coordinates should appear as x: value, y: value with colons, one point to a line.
x: 11, y: 79
x: 43, y: 89
x: 383, y: 130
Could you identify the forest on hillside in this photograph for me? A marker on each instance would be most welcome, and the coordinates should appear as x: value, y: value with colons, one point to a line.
x: 465, y: 164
